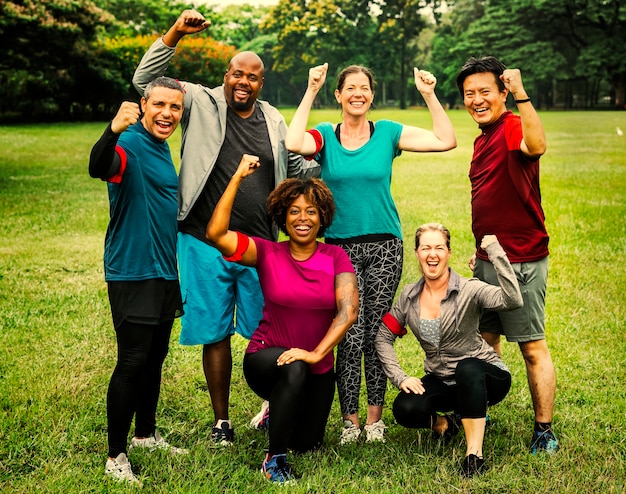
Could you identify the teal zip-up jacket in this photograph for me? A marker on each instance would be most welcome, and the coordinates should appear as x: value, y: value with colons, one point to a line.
x: 461, y: 309
x: 204, y: 125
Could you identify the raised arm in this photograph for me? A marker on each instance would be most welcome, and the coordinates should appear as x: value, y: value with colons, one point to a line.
x: 298, y: 140
x: 188, y: 22
x: 534, y: 141
x: 507, y: 296
x: 104, y: 162
x: 217, y: 232
x: 156, y: 60
x: 347, y: 298
x: 442, y: 137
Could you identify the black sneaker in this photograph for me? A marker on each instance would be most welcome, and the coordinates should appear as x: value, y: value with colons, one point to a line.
x: 224, y: 435
x: 473, y: 465
x: 544, y: 441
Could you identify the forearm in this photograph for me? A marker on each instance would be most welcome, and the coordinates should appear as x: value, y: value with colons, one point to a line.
x: 217, y: 228
x: 347, y: 295
x: 295, y: 140
x: 532, y: 130
x: 103, y: 160
x: 387, y: 355
x: 510, y: 296
x: 153, y: 64
x: 442, y: 126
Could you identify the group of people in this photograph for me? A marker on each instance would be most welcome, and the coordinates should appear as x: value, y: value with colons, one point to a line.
x: 244, y: 176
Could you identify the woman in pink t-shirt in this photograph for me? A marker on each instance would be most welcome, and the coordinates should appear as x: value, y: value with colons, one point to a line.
x: 310, y: 300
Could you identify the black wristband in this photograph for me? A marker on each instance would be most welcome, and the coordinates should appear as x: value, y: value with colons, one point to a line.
x: 518, y: 101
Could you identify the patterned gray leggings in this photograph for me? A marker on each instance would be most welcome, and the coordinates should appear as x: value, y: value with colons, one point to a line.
x: 378, y: 267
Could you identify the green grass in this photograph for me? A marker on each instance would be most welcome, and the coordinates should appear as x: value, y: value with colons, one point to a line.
x: 57, y: 347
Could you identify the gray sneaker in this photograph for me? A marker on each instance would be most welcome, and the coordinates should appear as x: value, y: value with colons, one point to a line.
x: 155, y: 442
x: 120, y: 470
x: 375, y: 432
x: 350, y: 433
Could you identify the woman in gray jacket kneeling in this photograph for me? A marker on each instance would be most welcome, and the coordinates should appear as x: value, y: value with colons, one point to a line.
x: 463, y: 372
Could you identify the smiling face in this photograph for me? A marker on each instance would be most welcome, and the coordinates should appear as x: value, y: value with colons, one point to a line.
x: 162, y: 111
x: 243, y: 82
x: 483, y: 99
x: 433, y: 254
x: 355, y: 95
x: 303, y: 221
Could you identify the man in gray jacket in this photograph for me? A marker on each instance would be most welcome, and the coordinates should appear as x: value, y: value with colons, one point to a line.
x: 219, y: 125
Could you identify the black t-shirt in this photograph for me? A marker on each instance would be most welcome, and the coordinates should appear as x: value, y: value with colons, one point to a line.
x: 249, y: 216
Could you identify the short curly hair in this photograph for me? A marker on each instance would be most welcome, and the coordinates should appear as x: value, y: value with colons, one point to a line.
x: 314, y: 189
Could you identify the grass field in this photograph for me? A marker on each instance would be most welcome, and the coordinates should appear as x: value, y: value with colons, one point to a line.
x: 57, y: 346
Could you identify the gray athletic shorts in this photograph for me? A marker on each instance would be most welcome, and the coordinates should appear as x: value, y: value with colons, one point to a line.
x: 526, y: 323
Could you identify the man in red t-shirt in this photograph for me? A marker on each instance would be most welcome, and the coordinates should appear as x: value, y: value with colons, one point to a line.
x: 506, y: 202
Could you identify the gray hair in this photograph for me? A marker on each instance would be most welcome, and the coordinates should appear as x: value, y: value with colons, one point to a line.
x: 162, y: 81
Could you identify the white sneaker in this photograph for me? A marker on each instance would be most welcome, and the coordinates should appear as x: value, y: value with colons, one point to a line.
x: 156, y: 442
x: 119, y: 469
x: 261, y: 420
x: 375, y: 432
x: 350, y: 433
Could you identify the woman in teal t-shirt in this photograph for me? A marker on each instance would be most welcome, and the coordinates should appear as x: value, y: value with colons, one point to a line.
x: 356, y: 159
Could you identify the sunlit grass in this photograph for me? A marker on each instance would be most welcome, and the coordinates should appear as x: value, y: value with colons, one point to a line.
x: 57, y: 347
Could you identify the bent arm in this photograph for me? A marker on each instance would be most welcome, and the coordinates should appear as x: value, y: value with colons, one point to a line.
x: 442, y: 137
x: 384, y: 341
x: 347, y: 298
x: 217, y: 232
x: 104, y: 162
x: 298, y: 140
x: 156, y: 60
x: 533, y: 143
x: 507, y: 296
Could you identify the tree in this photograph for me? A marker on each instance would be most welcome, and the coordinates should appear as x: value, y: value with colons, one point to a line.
x: 46, y: 46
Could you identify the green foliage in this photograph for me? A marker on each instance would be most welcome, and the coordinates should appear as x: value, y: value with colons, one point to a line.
x: 47, y: 50
x: 147, y: 17
x: 57, y: 345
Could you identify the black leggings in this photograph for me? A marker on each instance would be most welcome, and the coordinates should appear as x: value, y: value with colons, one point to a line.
x: 136, y: 381
x: 299, y: 400
x: 478, y: 384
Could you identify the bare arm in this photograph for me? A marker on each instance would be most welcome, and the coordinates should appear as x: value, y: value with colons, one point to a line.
x: 533, y: 143
x: 217, y: 232
x: 442, y: 137
x: 347, y: 297
x: 297, y: 139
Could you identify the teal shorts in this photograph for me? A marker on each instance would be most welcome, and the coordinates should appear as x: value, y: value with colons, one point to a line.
x: 219, y: 297
x: 528, y: 322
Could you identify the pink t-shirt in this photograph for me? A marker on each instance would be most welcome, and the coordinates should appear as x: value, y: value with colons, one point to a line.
x: 299, y: 297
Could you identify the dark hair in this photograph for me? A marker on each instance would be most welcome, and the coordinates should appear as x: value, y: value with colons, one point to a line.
x: 432, y: 227
x: 355, y: 69
x: 478, y: 66
x: 286, y: 192
x: 162, y: 81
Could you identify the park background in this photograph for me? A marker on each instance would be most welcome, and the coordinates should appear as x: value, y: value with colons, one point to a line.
x: 57, y: 347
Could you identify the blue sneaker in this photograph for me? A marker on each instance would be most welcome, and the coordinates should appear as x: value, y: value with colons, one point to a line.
x: 275, y: 469
x: 544, y: 441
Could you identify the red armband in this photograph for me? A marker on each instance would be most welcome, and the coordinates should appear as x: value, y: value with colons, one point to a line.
x: 242, y: 246
x: 317, y: 136
x: 117, y: 178
x: 393, y: 325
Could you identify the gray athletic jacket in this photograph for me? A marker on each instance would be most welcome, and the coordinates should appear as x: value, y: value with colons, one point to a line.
x: 460, y: 314
x: 204, y: 126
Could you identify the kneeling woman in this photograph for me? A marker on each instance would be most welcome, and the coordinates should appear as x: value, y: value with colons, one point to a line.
x: 311, y: 299
x: 463, y: 373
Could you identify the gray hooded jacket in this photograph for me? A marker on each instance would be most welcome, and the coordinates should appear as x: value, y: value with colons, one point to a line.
x: 203, y: 127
